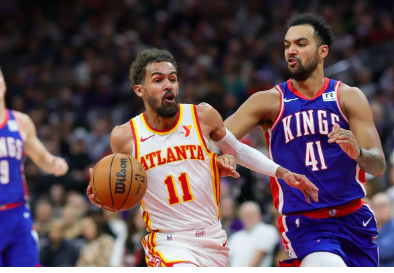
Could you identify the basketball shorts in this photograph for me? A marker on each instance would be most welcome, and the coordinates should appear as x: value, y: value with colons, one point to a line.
x: 202, y: 247
x: 18, y: 240
x: 350, y: 236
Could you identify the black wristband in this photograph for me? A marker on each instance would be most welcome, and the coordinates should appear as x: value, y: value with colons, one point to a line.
x: 361, y: 152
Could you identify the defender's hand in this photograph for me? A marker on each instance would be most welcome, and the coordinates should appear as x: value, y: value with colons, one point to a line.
x: 227, y: 166
x: 302, y: 183
x: 59, y: 166
x: 346, y: 140
x: 92, y: 197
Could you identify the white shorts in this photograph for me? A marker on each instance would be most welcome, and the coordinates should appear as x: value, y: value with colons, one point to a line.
x: 202, y: 247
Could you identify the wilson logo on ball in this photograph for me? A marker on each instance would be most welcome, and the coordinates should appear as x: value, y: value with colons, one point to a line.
x: 121, y: 177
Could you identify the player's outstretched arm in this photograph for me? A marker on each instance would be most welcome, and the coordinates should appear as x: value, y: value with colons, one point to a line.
x: 211, y: 122
x: 262, y: 107
x: 37, y: 151
x: 121, y: 142
x: 361, y: 142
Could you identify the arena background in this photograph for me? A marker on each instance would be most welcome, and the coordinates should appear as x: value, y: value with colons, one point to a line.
x: 66, y: 64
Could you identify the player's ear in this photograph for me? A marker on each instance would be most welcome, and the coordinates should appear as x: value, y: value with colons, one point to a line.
x: 323, y: 51
x: 138, y: 90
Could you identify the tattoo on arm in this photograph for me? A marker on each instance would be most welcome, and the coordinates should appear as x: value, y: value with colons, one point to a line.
x: 371, y: 162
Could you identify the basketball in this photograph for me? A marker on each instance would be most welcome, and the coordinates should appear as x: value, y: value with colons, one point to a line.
x: 119, y: 181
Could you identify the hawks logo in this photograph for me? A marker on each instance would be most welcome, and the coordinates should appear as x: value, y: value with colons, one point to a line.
x: 187, y: 129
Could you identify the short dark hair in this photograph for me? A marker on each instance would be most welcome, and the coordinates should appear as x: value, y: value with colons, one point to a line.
x: 323, y: 31
x: 145, y: 57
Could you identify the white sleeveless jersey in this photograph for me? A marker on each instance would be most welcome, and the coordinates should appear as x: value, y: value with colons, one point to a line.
x: 183, y: 180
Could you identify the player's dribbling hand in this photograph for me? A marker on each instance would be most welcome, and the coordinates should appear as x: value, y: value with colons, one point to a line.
x: 59, y: 166
x: 92, y: 197
x: 302, y: 183
x: 346, y: 140
x: 227, y: 166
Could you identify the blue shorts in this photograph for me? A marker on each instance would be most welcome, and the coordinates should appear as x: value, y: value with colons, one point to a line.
x: 350, y: 236
x: 18, y: 240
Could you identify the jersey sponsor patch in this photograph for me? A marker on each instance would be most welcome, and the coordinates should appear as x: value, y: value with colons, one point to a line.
x: 187, y: 129
x: 12, y: 125
x: 330, y: 96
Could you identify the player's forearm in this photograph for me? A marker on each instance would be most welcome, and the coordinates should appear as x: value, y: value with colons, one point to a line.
x: 371, y: 161
x: 247, y: 156
x: 45, y: 162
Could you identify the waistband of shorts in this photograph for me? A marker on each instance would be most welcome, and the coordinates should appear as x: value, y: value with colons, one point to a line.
x: 11, y: 206
x: 332, y: 212
x: 199, y: 232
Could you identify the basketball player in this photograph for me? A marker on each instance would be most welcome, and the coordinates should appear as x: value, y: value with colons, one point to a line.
x: 18, y: 240
x: 321, y: 128
x: 181, y: 205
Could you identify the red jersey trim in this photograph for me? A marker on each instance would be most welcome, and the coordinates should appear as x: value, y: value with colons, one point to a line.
x: 200, y: 135
x: 281, y: 109
x: 135, y: 139
x: 11, y: 206
x: 321, y: 91
x: 6, y: 118
x: 333, y: 212
x: 338, y: 102
x: 166, y: 131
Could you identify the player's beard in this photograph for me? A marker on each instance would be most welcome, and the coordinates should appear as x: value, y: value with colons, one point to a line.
x: 303, y: 72
x: 164, y: 109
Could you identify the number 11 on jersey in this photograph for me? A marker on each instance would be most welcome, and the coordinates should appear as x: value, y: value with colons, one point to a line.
x: 172, y: 192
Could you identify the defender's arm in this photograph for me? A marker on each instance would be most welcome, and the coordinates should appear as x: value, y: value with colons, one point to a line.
x: 363, y: 138
x: 261, y: 107
x: 212, y: 124
x: 37, y: 151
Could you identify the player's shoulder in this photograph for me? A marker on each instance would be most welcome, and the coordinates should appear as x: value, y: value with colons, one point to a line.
x: 21, y: 116
x: 122, y: 139
x: 272, y: 93
x: 350, y: 94
x: 23, y: 119
x: 122, y: 131
x: 206, y: 112
x: 346, y: 89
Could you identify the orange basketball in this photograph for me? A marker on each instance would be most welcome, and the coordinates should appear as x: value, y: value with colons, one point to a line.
x: 119, y: 181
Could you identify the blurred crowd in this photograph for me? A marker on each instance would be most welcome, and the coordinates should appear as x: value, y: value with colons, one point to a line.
x: 66, y: 64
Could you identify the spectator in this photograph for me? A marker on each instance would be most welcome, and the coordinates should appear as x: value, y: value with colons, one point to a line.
x: 43, y: 215
x: 390, y: 190
x: 119, y: 228
x: 134, y: 254
x: 230, y: 222
x: 383, y: 212
x: 57, y: 251
x: 72, y: 226
x: 57, y: 195
x: 98, y: 249
x: 255, y: 245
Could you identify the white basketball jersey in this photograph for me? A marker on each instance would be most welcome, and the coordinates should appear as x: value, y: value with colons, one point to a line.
x: 183, y: 181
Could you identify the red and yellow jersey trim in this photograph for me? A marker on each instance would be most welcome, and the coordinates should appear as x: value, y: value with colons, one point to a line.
x: 167, y: 131
x: 145, y: 214
x: 135, y: 139
x: 150, y: 245
x: 214, y: 168
x: 147, y: 218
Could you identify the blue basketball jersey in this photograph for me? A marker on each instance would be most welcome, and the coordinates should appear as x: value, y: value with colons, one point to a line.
x: 12, y: 182
x: 298, y: 141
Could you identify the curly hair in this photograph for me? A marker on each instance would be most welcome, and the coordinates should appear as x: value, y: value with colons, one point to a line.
x: 146, y: 57
x: 323, y: 32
